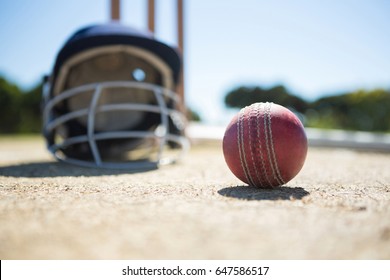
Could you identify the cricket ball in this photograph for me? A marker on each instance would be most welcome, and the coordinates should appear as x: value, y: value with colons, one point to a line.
x: 265, y: 145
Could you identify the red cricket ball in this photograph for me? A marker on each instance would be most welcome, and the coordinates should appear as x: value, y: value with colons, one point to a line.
x: 265, y: 145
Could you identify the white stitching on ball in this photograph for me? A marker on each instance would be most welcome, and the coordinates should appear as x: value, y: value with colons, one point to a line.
x: 272, y: 155
x: 240, y: 142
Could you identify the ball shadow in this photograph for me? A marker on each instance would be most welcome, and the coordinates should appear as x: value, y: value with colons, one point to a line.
x: 253, y: 193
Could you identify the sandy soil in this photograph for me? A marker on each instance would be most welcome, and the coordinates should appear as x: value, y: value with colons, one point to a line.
x: 338, y: 207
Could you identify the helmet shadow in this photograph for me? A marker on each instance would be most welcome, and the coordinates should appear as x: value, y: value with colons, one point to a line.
x: 59, y: 169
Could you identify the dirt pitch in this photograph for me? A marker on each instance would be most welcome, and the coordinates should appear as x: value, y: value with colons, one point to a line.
x: 338, y: 207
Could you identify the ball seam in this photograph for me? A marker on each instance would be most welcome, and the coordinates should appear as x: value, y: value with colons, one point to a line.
x: 259, y: 147
x: 252, y: 138
x: 271, y: 148
x: 241, y: 146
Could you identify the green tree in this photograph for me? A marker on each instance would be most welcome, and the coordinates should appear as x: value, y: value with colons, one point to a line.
x: 359, y: 110
x: 243, y: 96
x: 30, y: 105
x: 19, y: 110
x: 366, y: 110
x: 10, y: 98
x: 193, y: 115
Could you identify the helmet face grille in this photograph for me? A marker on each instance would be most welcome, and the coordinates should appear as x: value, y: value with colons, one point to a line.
x: 109, y: 128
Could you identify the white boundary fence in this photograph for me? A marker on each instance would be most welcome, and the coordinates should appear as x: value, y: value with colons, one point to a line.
x: 316, y: 137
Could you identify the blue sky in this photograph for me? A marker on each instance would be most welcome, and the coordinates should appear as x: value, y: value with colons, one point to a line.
x: 314, y: 48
